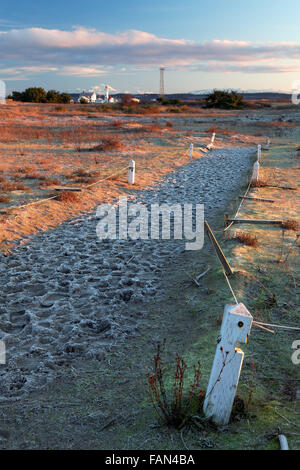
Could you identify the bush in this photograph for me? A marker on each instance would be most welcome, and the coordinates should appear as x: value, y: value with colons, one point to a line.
x: 225, y: 100
x: 67, y: 197
x: 165, y: 101
x: 108, y: 143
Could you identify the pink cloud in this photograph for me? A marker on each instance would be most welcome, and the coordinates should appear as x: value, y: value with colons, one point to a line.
x: 90, y: 50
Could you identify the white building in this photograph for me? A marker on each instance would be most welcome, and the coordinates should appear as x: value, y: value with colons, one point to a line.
x: 93, y: 97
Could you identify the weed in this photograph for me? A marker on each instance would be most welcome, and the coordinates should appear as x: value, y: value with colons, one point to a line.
x: 290, y: 225
x: 117, y: 123
x: 108, y: 143
x: 180, y: 409
x: 4, y: 199
x: 10, y: 186
x: 67, y: 197
x: 246, y: 238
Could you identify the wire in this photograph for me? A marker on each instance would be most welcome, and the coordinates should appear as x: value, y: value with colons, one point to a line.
x: 54, y: 197
x: 278, y: 326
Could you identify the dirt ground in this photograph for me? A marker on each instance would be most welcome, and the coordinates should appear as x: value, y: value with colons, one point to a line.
x: 104, y: 404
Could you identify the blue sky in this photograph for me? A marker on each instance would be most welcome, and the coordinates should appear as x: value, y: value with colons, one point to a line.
x: 75, y: 45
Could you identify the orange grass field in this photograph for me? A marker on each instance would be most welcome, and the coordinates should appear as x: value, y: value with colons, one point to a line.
x: 44, y: 146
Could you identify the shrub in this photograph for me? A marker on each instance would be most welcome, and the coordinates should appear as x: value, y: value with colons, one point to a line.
x: 10, y: 186
x: 108, y: 143
x: 290, y: 225
x: 67, y: 197
x: 225, y: 100
x: 49, y: 182
x: 180, y: 409
x: 4, y: 199
x: 246, y: 238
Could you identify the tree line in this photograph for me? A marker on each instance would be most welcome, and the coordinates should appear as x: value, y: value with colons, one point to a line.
x: 39, y: 95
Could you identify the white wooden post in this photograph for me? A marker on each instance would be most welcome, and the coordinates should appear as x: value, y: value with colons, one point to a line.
x: 258, y: 153
x: 131, y: 172
x: 191, y: 150
x: 212, y: 140
x: 255, y: 174
x: 2, y: 352
x: 225, y: 374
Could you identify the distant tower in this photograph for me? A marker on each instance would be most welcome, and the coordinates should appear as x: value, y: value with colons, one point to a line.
x: 162, y: 82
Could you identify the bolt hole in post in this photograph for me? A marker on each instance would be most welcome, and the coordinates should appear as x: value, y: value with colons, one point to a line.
x: 131, y: 172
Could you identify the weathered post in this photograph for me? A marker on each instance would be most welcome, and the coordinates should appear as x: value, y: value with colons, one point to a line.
x: 227, y: 365
x: 258, y: 153
x: 131, y: 172
x: 191, y: 150
x: 212, y: 140
x: 2, y: 352
x: 255, y: 174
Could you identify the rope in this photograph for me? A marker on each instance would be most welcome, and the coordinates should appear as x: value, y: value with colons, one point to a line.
x: 54, y: 197
x: 107, y: 177
x: 278, y: 326
x: 237, y: 212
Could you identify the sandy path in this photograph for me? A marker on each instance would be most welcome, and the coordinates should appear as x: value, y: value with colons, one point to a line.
x: 66, y: 294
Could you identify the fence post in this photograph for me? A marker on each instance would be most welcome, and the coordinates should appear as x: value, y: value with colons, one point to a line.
x: 191, y: 150
x: 2, y: 352
x: 131, y: 172
x: 212, y: 140
x: 255, y: 174
x: 226, y: 369
x: 258, y: 153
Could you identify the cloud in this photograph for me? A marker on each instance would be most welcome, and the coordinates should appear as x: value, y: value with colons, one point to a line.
x: 82, y: 71
x: 86, y: 52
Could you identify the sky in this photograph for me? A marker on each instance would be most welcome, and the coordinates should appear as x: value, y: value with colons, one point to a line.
x: 82, y: 45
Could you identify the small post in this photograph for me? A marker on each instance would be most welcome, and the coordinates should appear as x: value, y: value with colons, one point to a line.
x: 131, y: 172
x: 258, y: 153
x: 191, y: 150
x: 255, y: 174
x: 213, y: 138
x: 227, y: 365
x: 2, y: 352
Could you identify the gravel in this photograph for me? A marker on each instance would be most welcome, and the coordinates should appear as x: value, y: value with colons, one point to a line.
x: 66, y: 294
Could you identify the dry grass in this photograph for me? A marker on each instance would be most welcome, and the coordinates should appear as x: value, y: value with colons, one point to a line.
x: 245, y: 238
x: 4, y: 199
x: 68, y: 197
x: 262, y: 183
x: 108, y: 143
x: 290, y: 225
x: 7, y: 186
x: 49, y: 182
